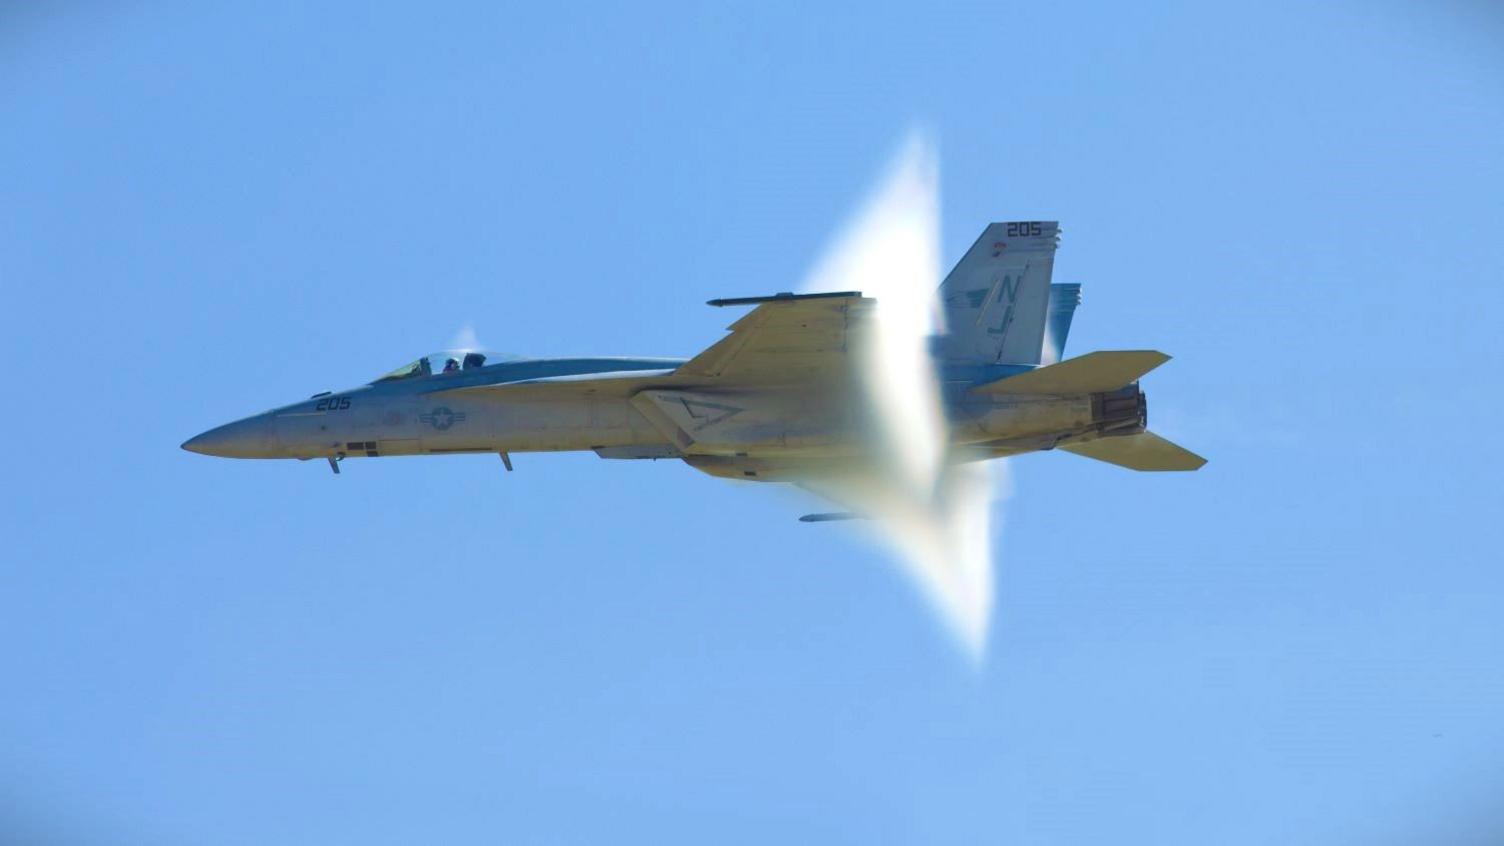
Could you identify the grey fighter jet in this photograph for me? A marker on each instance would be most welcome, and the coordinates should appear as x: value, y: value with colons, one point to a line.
x: 775, y: 400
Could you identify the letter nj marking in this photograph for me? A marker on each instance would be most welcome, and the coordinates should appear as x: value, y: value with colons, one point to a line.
x: 1007, y: 292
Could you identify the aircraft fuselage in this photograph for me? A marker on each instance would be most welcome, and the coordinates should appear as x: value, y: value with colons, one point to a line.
x: 639, y: 408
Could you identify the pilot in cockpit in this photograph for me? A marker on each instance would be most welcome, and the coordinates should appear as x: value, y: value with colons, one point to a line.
x: 451, y: 365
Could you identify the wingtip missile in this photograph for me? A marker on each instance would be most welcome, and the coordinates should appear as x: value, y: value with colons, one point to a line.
x: 831, y: 517
x: 778, y: 297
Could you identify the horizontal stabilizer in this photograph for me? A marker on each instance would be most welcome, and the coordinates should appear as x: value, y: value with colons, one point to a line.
x: 1088, y: 374
x: 1144, y: 451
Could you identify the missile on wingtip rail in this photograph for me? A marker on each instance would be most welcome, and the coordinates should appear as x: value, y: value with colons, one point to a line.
x: 779, y: 297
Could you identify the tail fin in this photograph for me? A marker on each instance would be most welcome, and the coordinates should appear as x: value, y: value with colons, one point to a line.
x: 1063, y: 302
x: 1144, y: 451
x: 997, y: 296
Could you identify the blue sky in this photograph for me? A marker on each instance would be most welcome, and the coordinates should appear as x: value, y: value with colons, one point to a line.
x: 205, y: 212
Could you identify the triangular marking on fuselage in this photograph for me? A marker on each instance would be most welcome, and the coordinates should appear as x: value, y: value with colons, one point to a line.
x: 708, y: 413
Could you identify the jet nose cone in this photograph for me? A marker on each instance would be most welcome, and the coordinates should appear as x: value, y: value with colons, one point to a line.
x: 248, y: 438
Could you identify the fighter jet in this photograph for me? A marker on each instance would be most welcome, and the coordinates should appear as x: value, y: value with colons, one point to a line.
x: 776, y: 400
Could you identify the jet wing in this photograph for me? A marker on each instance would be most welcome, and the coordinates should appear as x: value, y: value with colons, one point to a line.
x: 787, y: 338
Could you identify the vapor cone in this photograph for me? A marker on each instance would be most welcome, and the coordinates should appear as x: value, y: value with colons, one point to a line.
x: 465, y: 339
x: 933, y: 513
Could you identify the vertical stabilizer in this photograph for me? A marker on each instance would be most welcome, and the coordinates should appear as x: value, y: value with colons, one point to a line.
x: 996, y: 299
x: 1063, y: 302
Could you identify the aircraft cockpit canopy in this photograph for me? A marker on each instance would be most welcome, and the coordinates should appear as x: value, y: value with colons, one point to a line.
x: 442, y: 363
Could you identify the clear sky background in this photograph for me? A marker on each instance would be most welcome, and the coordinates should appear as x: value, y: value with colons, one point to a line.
x: 206, y: 212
